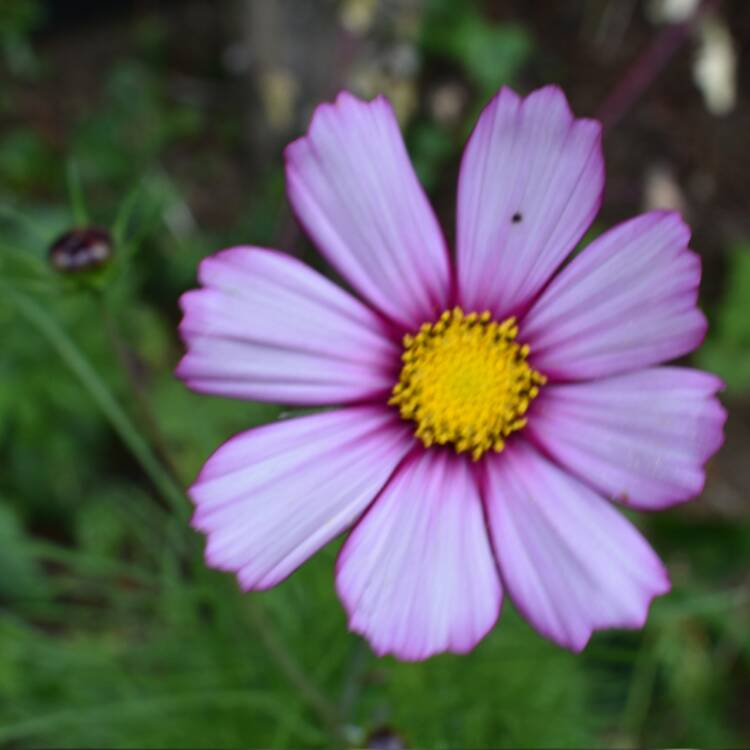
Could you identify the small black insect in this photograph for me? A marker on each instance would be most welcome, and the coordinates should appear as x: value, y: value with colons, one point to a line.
x: 517, y: 217
x: 80, y: 250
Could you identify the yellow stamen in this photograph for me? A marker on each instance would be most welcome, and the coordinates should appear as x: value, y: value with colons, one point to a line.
x: 465, y: 381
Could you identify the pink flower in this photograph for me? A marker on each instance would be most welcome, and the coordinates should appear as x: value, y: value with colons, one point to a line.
x: 490, y: 409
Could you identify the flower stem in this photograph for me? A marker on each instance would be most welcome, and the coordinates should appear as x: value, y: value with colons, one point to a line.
x: 75, y: 360
x: 642, y: 73
x: 640, y: 694
x: 140, y: 402
x: 354, y: 677
x: 295, y: 674
x: 77, y: 363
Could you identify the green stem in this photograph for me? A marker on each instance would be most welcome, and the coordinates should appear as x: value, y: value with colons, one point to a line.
x: 141, y: 405
x: 295, y: 674
x: 354, y: 678
x: 640, y: 694
x: 75, y: 191
x: 58, y: 338
x: 77, y: 363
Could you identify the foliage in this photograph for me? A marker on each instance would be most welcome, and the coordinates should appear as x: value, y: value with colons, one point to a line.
x: 18, y: 18
x: 491, y: 54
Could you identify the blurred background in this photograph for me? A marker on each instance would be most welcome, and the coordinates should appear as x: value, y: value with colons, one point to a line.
x: 163, y: 122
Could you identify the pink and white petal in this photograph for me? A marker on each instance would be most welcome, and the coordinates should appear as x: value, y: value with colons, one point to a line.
x: 627, y: 301
x: 417, y: 574
x: 266, y: 327
x: 569, y: 560
x: 531, y: 182
x: 354, y: 189
x: 271, y: 497
x: 641, y: 438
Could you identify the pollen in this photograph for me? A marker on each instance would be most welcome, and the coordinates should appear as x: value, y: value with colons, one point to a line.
x: 465, y: 381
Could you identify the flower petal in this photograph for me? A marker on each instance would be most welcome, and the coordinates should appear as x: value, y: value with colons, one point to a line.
x: 640, y: 438
x: 267, y: 327
x: 417, y: 575
x: 353, y: 187
x: 271, y: 497
x: 627, y: 301
x: 531, y: 182
x: 571, y: 562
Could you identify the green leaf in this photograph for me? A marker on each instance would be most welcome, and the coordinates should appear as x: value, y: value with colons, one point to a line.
x: 492, y: 54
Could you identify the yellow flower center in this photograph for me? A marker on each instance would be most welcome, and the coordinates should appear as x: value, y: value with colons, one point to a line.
x: 465, y: 381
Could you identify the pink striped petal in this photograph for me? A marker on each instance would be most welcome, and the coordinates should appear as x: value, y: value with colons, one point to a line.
x: 627, y: 301
x: 417, y: 575
x: 640, y: 438
x: 266, y: 327
x: 353, y: 187
x: 570, y: 561
x: 531, y: 183
x: 271, y: 497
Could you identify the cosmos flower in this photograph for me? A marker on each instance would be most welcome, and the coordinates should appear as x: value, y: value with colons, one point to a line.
x: 492, y: 408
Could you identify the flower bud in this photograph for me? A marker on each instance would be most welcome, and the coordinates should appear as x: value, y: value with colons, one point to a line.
x: 81, y: 250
